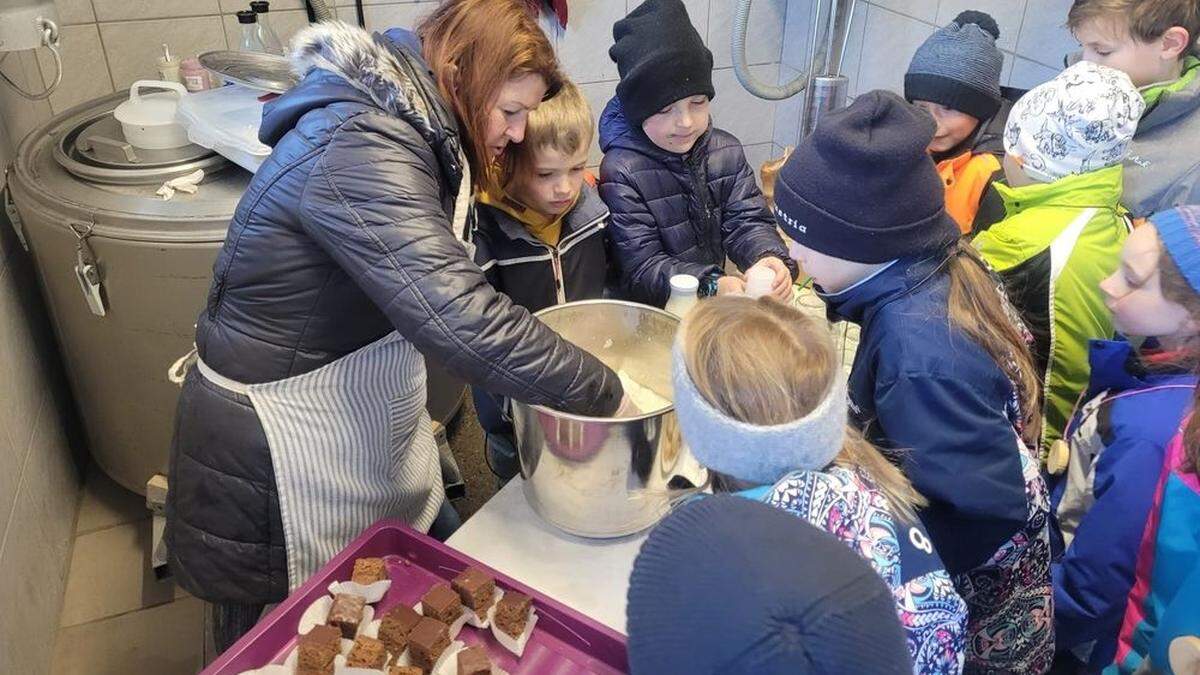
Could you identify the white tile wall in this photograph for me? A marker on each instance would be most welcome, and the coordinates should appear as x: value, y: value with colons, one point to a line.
x: 1007, y: 13
x: 133, y: 47
x: 39, y: 483
x: 764, y: 35
x: 885, y: 33
x: 129, y: 10
x: 750, y: 119
x: 85, y: 68
x: 74, y: 11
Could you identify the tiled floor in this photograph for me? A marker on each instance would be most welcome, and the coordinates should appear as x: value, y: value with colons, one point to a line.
x: 117, y: 619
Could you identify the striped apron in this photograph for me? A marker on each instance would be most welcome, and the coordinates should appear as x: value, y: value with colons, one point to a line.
x: 351, y: 443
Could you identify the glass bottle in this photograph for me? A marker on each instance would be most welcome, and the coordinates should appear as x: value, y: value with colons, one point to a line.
x: 250, y: 41
x: 266, y: 31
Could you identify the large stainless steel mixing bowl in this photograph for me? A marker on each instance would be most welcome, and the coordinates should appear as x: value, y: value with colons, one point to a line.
x: 607, y: 477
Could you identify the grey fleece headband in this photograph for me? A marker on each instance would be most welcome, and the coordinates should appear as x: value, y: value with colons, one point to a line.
x: 758, y: 454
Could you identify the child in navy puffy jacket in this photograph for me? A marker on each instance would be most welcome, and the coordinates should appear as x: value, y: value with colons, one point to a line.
x: 1115, y: 444
x: 682, y: 196
x: 943, y: 376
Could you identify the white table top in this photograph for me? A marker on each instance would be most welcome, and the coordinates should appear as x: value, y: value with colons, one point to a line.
x: 588, y: 575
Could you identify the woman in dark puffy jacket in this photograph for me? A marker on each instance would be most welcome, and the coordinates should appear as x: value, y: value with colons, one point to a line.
x: 346, y: 264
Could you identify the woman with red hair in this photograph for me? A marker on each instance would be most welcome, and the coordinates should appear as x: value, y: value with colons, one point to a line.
x: 346, y: 264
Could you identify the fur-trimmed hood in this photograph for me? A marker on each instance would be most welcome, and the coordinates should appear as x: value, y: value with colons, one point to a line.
x: 339, y: 62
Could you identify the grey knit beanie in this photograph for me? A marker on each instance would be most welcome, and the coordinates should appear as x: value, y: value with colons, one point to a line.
x: 959, y: 67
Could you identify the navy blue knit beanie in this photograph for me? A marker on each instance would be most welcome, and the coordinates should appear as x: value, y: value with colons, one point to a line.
x: 862, y: 187
x: 728, y: 585
x: 661, y: 59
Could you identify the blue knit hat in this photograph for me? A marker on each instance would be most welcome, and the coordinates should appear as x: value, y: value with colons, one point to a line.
x: 959, y: 67
x: 728, y: 585
x: 1179, y: 230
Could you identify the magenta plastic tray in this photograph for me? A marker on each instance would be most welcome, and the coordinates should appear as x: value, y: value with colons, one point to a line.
x: 564, y: 641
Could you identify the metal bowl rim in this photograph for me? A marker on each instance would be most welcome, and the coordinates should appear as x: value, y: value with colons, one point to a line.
x: 584, y: 418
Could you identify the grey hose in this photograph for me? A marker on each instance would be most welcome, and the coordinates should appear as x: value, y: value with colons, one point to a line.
x: 322, y: 11
x: 741, y: 68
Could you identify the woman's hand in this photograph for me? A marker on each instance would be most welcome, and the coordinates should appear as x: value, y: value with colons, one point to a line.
x: 730, y: 285
x: 781, y: 287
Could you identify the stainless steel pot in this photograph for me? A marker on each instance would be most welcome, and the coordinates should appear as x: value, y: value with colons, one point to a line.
x: 607, y: 477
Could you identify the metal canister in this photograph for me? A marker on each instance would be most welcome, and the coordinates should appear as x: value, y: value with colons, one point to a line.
x: 608, y: 477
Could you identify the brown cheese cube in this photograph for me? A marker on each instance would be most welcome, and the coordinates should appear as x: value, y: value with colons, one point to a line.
x: 476, y: 588
x: 427, y: 642
x: 346, y: 613
x: 397, y: 623
x: 442, y: 603
x: 318, y: 647
x: 405, y: 670
x: 474, y: 661
x: 368, y: 570
x: 367, y: 653
x: 512, y: 613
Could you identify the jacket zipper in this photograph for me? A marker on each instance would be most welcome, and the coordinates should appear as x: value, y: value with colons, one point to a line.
x: 559, y: 284
x: 703, y: 230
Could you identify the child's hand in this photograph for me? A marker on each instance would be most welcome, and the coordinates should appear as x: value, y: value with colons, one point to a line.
x: 730, y: 285
x: 781, y: 288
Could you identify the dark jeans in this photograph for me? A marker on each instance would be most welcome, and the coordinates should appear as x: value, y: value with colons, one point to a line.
x: 229, y: 621
x: 501, y: 450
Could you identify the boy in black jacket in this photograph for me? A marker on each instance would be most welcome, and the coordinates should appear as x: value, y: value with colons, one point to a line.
x: 541, y: 240
x: 682, y: 195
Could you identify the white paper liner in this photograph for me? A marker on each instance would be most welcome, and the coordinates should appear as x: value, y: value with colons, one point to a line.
x: 457, y: 626
x: 315, y: 615
x: 372, y: 592
x: 473, y: 619
x: 445, y: 665
x: 516, y: 646
x: 371, y: 630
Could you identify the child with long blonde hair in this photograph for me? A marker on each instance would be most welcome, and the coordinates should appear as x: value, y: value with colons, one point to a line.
x: 942, y: 370
x: 761, y: 401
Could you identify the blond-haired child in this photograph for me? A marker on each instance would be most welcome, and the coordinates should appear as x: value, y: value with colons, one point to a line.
x: 540, y: 239
x: 761, y: 399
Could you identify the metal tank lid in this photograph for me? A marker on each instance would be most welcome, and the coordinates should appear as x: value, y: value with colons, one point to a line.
x: 95, y: 149
x: 59, y: 173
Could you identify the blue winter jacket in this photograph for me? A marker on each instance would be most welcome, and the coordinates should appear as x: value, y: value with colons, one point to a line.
x: 680, y: 214
x: 926, y: 388
x: 1118, y: 439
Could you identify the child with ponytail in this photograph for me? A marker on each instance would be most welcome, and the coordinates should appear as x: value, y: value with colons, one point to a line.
x: 761, y: 399
x: 1109, y: 465
x: 943, y: 376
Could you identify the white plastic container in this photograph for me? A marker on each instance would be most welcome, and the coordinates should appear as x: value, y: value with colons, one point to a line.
x: 684, y: 294
x: 759, y: 281
x: 226, y: 120
x: 148, y: 121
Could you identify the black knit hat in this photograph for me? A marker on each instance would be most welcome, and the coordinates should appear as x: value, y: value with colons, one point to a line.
x: 660, y: 57
x: 959, y: 66
x: 862, y: 187
x: 729, y: 585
